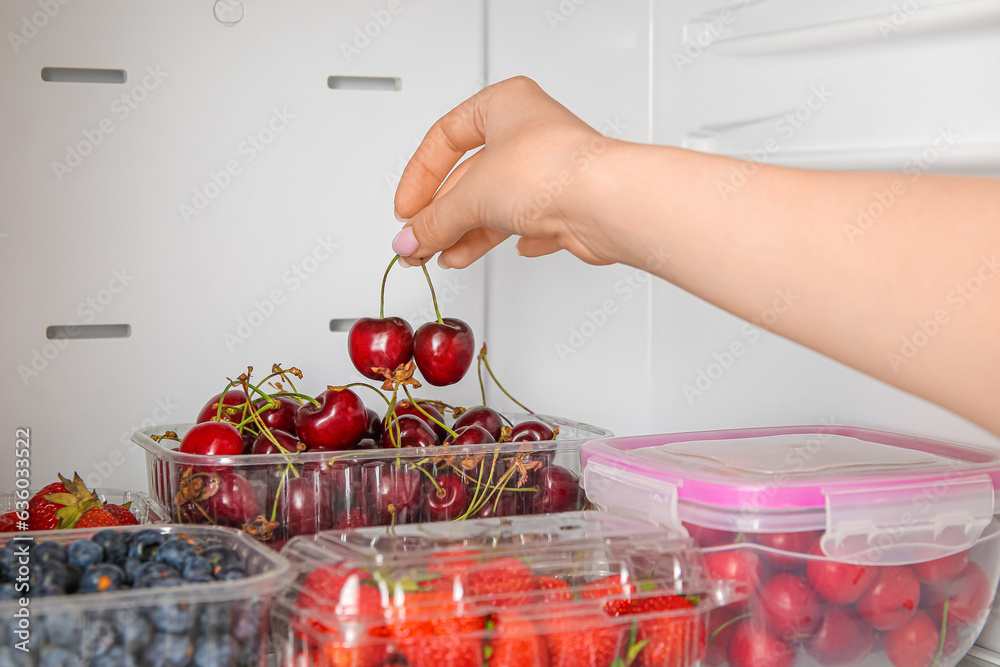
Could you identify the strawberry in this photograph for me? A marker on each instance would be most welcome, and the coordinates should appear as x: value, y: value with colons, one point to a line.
x: 671, y: 641
x: 122, y: 514
x: 8, y: 522
x: 554, y: 590
x: 516, y: 643
x: 61, y: 504
x: 451, y: 561
x: 96, y: 517
x: 505, y: 582
x: 591, y: 640
x: 42, y: 512
x: 610, y: 587
x: 431, y: 629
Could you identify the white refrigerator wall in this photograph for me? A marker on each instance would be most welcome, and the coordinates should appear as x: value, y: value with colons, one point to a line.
x: 869, y: 85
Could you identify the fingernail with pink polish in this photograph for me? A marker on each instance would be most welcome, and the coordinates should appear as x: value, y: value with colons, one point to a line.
x: 405, y: 243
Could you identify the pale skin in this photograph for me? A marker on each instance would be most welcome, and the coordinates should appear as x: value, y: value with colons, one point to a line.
x: 862, y: 288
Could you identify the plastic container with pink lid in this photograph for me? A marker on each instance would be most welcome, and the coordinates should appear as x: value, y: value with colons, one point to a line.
x: 863, y: 547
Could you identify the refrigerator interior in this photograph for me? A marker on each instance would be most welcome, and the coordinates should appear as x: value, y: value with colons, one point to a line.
x: 209, y: 186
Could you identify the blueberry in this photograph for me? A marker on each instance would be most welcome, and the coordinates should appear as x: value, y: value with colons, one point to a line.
x: 196, y: 567
x: 231, y: 573
x: 134, y: 628
x: 146, y: 574
x: 48, y: 551
x: 97, y: 639
x: 174, y: 552
x: 62, y: 628
x: 102, y: 577
x: 216, y: 617
x: 173, y: 616
x: 58, y: 574
x: 211, y: 650
x: 7, y: 657
x: 58, y: 657
x: 117, y: 657
x: 145, y: 543
x: 115, y: 544
x: 85, y: 552
x: 169, y: 650
x: 47, y: 591
x: 130, y: 566
x: 19, y: 553
x: 221, y: 557
x: 8, y: 592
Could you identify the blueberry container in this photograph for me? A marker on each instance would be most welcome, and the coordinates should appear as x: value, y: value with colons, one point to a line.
x: 221, y: 623
x: 578, y: 588
x: 278, y: 496
x: 143, y: 508
x: 860, y: 546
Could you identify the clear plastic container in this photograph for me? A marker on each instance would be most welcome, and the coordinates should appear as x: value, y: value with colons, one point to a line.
x: 278, y: 496
x: 151, y: 623
x: 143, y: 508
x: 861, y: 546
x: 578, y: 588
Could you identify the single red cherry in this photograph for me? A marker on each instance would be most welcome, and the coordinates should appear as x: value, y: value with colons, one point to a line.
x: 709, y: 537
x: 379, y: 343
x: 753, y: 646
x: 281, y: 415
x: 940, y: 570
x: 558, y: 491
x: 444, y: 351
x: 408, y: 408
x: 914, y: 644
x: 843, y: 638
x: 838, y: 583
x: 483, y: 417
x: 893, y: 599
x: 374, y: 429
x: 213, y: 439
x: 968, y: 598
x: 532, y: 431
x: 507, y: 503
x: 721, y: 626
x: 263, y: 444
x: 791, y: 609
x: 448, y: 500
x: 392, y: 494
x: 469, y: 435
x: 304, y: 505
x: 352, y: 518
x: 408, y: 431
x: 248, y: 440
x: 234, y: 503
x: 233, y: 397
x: 338, y: 423
x: 740, y: 565
x: 790, y: 544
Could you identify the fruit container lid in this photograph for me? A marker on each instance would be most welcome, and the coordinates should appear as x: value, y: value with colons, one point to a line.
x: 570, y: 434
x: 143, y: 508
x: 901, y: 498
x: 371, y: 585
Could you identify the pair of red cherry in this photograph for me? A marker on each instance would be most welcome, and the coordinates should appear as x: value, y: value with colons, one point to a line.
x: 442, y: 350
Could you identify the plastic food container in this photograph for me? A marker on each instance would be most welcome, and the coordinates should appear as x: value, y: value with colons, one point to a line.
x: 579, y: 588
x: 141, y: 505
x: 862, y: 547
x: 96, y: 628
x: 278, y: 496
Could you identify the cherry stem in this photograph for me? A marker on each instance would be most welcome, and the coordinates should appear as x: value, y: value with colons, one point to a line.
x: 433, y: 401
x: 364, y: 384
x: 486, y: 362
x: 381, y: 302
x: 427, y: 414
x: 222, y: 399
x: 476, y: 503
x: 719, y: 629
x: 479, y: 372
x: 944, y: 627
x: 434, y: 298
x: 437, y: 487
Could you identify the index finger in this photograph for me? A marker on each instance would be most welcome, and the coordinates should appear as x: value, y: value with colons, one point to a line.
x: 452, y: 136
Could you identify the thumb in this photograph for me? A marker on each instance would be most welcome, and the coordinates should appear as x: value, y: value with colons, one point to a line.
x: 440, y: 224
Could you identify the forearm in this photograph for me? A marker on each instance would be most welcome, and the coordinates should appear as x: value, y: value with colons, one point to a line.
x: 896, y: 275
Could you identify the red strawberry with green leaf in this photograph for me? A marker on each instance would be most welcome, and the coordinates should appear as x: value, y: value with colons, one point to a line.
x: 122, y: 514
x: 61, y: 504
x: 9, y: 522
x: 96, y: 517
x: 675, y: 640
x: 585, y: 640
x: 516, y: 642
x: 504, y: 582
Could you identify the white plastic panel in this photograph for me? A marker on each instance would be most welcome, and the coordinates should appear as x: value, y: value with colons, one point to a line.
x: 288, y: 185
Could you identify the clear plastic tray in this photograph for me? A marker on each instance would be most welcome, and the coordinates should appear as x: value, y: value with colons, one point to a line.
x: 582, y: 588
x: 852, y: 540
x: 84, y: 621
x: 299, y: 494
x: 144, y: 508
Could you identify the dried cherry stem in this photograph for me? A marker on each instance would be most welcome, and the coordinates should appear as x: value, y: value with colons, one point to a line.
x: 381, y: 300
x: 719, y: 629
x: 434, y: 298
x: 476, y: 504
x: 255, y: 415
x: 203, y: 512
x: 427, y: 414
x: 486, y: 362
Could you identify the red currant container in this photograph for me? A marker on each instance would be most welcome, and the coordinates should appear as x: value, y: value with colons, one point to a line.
x: 577, y: 588
x: 860, y: 546
x: 278, y: 496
